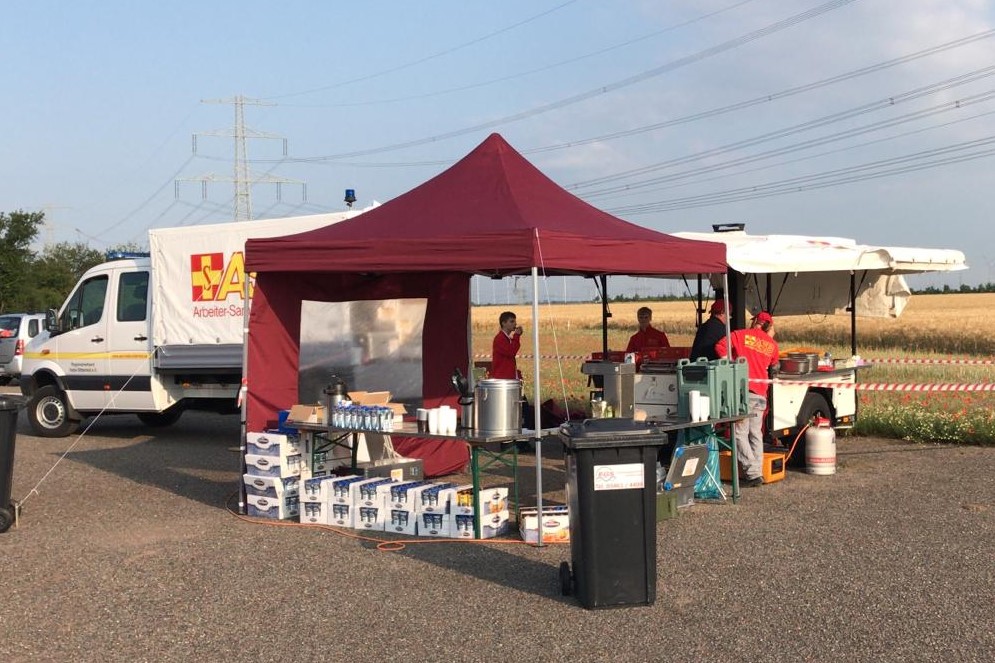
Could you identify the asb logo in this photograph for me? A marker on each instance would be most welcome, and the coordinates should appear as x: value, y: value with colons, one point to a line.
x: 212, y: 280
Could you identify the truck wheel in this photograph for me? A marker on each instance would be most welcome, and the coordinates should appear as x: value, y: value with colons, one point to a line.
x: 160, y: 419
x: 814, y: 405
x: 48, y: 413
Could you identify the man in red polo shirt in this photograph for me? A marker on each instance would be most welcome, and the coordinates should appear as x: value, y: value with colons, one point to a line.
x: 757, y: 344
x: 506, y: 344
x: 648, y: 337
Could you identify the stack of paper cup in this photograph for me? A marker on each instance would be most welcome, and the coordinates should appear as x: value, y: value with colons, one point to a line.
x: 694, y: 405
x: 704, y: 408
x: 433, y: 420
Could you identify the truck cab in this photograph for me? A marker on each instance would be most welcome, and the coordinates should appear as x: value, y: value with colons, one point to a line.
x: 95, y: 353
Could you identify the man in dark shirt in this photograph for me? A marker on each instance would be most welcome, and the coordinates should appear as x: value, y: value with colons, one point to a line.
x: 709, y: 333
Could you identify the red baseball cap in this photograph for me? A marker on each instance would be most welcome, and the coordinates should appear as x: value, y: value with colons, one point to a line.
x: 763, y: 317
x: 718, y: 308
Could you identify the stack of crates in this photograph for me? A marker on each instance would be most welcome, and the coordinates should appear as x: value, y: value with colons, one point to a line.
x: 273, y: 469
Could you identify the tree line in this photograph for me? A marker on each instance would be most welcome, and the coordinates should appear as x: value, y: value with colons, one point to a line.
x: 31, y: 281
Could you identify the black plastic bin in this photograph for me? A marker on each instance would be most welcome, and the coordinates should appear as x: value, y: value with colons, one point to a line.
x: 611, y: 490
x: 8, y: 435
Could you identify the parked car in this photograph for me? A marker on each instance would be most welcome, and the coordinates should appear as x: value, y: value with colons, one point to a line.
x: 16, y: 329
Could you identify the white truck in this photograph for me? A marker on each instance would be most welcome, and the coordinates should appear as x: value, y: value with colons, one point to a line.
x: 154, y: 335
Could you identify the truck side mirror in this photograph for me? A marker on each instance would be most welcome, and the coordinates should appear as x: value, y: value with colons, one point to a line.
x: 51, y: 321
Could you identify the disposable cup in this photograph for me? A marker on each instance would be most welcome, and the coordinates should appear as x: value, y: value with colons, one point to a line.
x: 433, y: 420
x: 704, y: 408
x: 694, y: 405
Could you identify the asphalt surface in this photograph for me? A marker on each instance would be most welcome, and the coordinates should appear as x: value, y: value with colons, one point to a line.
x: 127, y: 552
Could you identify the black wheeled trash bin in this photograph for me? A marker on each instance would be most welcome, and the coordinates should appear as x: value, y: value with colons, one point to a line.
x: 611, y: 490
x: 8, y: 434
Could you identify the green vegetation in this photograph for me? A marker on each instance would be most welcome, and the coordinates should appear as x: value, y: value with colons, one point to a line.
x: 32, y: 281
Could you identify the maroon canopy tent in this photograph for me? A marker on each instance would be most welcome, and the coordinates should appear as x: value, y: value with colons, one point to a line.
x: 492, y: 213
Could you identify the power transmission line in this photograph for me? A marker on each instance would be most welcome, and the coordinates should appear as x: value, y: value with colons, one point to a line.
x: 242, y: 179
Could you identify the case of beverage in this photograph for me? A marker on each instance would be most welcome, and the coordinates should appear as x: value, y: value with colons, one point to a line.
x: 272, y: 443
x: 273, y: 466
x: 260, y: 506
x: 274, y: 487
x: 555, y: 524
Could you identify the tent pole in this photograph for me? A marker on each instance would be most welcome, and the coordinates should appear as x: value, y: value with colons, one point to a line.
x: 732, y: 429
x: 536, y: 396
x: 244, y: 396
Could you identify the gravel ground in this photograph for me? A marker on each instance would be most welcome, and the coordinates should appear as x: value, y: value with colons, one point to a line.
x: 127, y: 553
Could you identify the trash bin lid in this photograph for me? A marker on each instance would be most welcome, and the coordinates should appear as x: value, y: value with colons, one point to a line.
x: 612, y: 432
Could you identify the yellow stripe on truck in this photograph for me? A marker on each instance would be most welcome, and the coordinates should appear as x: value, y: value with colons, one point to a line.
x: 87, y: 355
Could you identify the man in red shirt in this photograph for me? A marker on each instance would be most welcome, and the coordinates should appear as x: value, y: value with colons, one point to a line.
x: 506, y: 344
x: 757, y: 344
x: 647, y: 338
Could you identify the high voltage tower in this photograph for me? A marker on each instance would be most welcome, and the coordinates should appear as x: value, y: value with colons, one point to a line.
x: 243, y: 177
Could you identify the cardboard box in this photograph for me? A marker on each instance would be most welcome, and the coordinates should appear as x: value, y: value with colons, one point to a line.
x: 364, y: 492
x: 401, y: 521
x: 307, y: 414
x: 342, y: 489
x: 317, y: 513
x: 435, y: 524
x: 272, y: 443
x: 402, y: 495
x: 492, y: 525
x: 489, y: 500
x: 317, y: 489
x: 274, y: 487
x: 260, y: 506
x: 397, y: 469
x: 273, y: 466
x: 555, y: 524
x: 435, y: 498
x: 369, y: 518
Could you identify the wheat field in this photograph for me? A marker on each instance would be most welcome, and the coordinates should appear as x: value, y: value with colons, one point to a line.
x: 932, y: 327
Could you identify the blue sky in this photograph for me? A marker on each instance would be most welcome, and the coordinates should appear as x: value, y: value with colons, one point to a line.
x: 103, y: 98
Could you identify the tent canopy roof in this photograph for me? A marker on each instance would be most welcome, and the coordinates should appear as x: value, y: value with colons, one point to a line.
x: 774, y: 254
x: 491, y: 213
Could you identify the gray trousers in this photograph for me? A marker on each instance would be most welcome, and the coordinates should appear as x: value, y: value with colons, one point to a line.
x: 750, y: 439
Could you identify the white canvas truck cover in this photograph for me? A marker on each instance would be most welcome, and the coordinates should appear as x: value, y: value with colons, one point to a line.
x: 811, y: 275
x: 199, y: 276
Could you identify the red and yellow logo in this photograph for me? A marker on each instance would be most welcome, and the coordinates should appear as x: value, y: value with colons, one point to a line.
x: 213, y: 280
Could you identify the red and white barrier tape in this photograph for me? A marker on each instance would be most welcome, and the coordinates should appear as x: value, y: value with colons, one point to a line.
x: 885, y: 386
x: 958, y: 362
x: 955, y: 362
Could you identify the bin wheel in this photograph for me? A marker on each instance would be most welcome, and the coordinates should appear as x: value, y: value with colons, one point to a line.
x: 6, y: 520
x: 566, y: 581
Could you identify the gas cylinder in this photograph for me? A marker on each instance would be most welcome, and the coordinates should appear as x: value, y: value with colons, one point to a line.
x: 820, y: 447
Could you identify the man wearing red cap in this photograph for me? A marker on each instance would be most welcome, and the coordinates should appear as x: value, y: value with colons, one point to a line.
x: 710, y: 332
x: 757, y: 344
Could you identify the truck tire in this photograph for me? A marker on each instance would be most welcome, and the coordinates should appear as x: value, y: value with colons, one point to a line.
x: 814, y: 405
x: 48, y: 413
x: 160, y: 419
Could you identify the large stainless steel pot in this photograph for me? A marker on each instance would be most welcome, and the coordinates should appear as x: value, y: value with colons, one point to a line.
x: 498, y: 406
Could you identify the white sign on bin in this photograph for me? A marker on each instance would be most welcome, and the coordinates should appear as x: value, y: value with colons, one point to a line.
x: 619, y: 477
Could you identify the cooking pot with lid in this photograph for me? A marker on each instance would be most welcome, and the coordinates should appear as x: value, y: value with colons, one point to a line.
x: 498, y: 407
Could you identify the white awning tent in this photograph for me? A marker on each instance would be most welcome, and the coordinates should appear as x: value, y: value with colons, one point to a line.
x: 812, y: 275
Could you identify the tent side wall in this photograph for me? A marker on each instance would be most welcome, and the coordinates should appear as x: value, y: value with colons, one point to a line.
x: 274, y: 339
